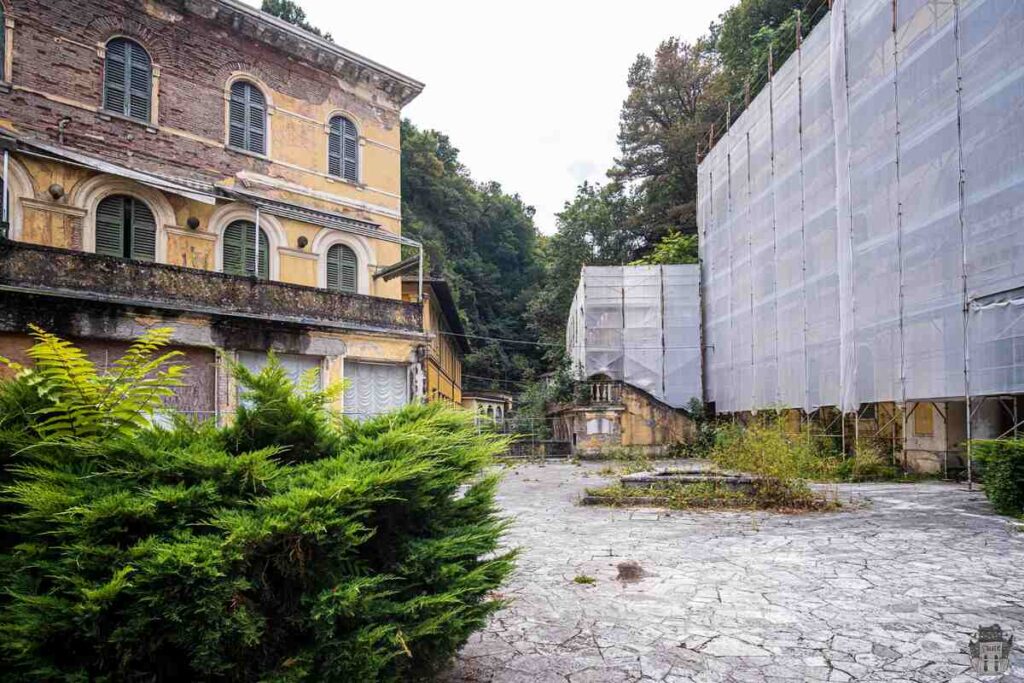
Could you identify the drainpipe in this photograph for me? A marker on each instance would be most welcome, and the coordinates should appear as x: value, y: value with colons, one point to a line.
x: 256, y: 266
x: 4, y: 220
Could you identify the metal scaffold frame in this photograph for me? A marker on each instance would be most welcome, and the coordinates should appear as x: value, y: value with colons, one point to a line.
x: 894, y: 275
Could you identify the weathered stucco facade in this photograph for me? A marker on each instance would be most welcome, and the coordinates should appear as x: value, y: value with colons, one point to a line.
x: 67, y: 153
x: 618, y: 415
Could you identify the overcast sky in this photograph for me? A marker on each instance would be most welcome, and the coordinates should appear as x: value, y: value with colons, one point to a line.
x: 529, y: 92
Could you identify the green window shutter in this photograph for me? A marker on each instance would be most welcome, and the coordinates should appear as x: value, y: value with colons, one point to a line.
x: 247, y: 118
x: 334, y: 160
x: 343, y: 149
x: 114, y: 86
x: 351, y: 151
x: 127, y: 79
x: 139, y: 79
x: 342, y: 269
x: 110, y: 226
x: 237, y: 115
x: 234, y: 247
x: 143, y: 231
x: 257, y: 121
x: 240, y: 250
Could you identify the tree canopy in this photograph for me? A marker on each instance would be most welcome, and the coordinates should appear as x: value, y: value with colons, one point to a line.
x: 484, y: 242
x: 293, y: 14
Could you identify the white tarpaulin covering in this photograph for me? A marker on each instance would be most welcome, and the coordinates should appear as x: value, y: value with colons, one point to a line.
x: 639, y: 325
x: 841, y: 213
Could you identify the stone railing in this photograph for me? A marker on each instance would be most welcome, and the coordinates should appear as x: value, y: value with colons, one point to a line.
x: 605, y: 392
x: 43, y: 270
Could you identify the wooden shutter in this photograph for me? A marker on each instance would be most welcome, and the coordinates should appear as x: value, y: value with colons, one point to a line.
x: 257, y: 120
x: 110, y: 226
x: 114, y: 85
x: 240, y: 250
x: 234, y: 247
x: 139, y: 78
x: 143, y: 231
x: 334, y: 162
x: 351, y: 151
x: 127, y: 79
x: 341, y: 269
x: 343, y: 149
x: 247, y: 118
x: 237, y: 116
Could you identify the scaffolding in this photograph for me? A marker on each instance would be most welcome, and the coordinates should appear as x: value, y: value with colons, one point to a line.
x: 639, y: 325
x: 862, y: 222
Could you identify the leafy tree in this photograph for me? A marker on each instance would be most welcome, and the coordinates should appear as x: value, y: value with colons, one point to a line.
x: 197, y: 553
x: 293, y: 14
x: 483, y: 241
x: 667, y: 111
x: 593, y: 229
x: 745, y: 35
x: 674, y: 247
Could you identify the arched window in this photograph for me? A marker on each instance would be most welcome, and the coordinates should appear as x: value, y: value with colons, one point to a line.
x: 342, y: 268
x: 242, y: 252
x: 343, y: 149
x: 247, y: 118
x: 125, y: 227
x: 127, y: 79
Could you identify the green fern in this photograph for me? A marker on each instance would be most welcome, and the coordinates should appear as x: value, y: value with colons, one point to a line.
x: 82, y: 402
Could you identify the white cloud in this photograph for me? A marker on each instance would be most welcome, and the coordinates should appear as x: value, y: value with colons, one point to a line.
x: 530, y: 91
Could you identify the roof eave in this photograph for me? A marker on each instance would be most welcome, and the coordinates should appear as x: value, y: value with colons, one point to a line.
x: 407, y: 88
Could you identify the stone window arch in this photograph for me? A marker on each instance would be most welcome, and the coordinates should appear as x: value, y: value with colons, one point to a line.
x: 89, y: 194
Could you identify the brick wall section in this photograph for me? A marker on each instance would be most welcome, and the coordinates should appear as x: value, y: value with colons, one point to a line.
x: 55, y: 52
x: 45, y: 269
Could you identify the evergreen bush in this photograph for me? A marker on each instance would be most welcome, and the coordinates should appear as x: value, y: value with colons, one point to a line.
x: 1002, y: 461
x: 289, y: 546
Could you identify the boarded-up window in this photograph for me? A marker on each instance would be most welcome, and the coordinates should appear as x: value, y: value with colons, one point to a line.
x: 923, y: 419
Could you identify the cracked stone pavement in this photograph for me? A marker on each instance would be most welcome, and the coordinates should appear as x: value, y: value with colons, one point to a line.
x: 891, y: 588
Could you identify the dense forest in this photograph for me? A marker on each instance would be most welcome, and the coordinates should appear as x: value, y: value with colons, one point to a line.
x: 514, y: 285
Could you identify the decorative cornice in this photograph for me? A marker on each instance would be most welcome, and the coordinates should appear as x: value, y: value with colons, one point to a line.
x: 308, y: 47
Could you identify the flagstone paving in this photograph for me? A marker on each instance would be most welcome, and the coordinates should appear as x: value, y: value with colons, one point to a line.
x: 890, y: 588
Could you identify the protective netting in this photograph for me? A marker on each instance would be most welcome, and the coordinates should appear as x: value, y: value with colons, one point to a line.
x: 841, y: 213
x: 640, y: 325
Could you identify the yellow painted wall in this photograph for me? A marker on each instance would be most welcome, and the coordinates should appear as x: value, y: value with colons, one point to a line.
x: 444, y: 363
x: 58, y: 223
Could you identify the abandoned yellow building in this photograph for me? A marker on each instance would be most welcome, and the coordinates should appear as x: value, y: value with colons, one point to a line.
x: 448, y: 344
x: 209, y: 167
x: 613, y: 415
x: 633, y: 338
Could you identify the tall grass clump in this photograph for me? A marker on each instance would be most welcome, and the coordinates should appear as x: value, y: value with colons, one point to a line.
x: 783, y: 459
x: 290, y: 546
